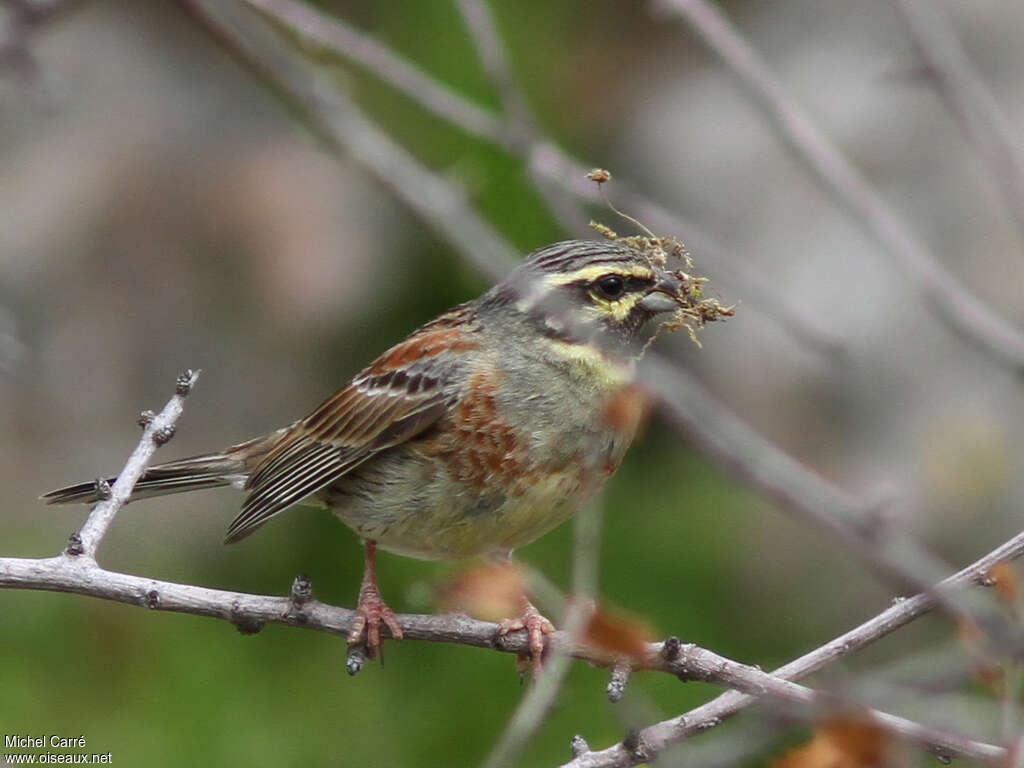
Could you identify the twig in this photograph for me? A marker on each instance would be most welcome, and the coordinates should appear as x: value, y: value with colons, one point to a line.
x: 23, y: 19
x: 721, y: 433
x: 521, y: 130
x: 344, y: 127
x: 966, y: 96
x: 532, y: 710
x: 700, y: 664
x: 65, y: 573
x: 707, y: 716
x: 307, y: 87
x: 760, y: 464
x: 946, y: 295
x: 492, y: 55
x: 158, y: 430
x: 401, y: 75
x: 544, y: 159
x: 618, y: 681
x: 547, y: 161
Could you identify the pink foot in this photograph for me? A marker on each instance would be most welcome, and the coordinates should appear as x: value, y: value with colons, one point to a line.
x: 536, y: 626
x: 372, y: 611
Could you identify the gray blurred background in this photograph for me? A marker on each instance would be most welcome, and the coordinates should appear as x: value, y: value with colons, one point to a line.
x: 161, y: 209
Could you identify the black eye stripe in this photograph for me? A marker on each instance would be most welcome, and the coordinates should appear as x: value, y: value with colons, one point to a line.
x: 633, y: 284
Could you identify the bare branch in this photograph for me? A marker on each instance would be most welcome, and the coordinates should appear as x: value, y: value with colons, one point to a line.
x: 438, y: 202
x: 521, y: 130
x: 480, y: 23
x: 721, y: 433
x: 797, y: 489
x: 21, y: 21
x: 345, y: 127
x: 157, y: 431
x: 966, y: 96
x: 532, y: 710
x: 534, y: 707
x: 394, y: 70
x: 707, y: 716
x: 65, y: 573
x: 544, y: 159
x: 700, y: 664
x: 945, y: 294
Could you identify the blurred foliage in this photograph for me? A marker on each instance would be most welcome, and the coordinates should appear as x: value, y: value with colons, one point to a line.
x: 157, y: 266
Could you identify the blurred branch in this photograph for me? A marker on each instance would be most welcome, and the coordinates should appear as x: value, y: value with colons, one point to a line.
x: 23, y: 19
x: 401, y: 75
x: 720, y: 433
x: 521, y: 130
x: 436, y: 200
x: 344, y: 127
x: 519, y: 125
x: 946, y: 295
x: 67, y: 573
x: 534, y: 707
x: 663, y: 735
x: 76, y: 570
x: 797, y: 489
x: 544, y: 159
x: 157, y: 431
x: 966, y: 96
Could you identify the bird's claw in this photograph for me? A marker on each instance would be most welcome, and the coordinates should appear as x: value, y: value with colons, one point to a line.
x: 537, y: 627
x: 371, y: 612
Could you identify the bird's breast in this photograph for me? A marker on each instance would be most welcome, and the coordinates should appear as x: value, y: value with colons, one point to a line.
x: 522, y: 447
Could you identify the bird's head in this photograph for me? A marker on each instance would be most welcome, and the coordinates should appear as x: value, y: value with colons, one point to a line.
x: 607, y: 292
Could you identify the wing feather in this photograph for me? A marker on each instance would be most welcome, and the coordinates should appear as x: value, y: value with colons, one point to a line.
x: 398, y: 396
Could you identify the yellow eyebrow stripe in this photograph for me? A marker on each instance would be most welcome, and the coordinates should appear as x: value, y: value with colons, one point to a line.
x: 598, y: 270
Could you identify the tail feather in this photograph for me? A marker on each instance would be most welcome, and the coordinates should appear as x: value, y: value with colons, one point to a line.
x: 208, y: 470
x: 211, y: 470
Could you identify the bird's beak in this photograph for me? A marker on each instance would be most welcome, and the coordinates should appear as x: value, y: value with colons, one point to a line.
x: 664, y: 297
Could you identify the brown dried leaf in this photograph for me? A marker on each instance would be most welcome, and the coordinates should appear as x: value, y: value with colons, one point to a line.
x: 1004, y: 578
x: 627, y: 409
x: 617, y: 636
x: 840, y: 743
x: 489, y: 591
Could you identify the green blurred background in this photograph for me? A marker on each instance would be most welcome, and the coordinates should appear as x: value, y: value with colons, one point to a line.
x: 160, y: 209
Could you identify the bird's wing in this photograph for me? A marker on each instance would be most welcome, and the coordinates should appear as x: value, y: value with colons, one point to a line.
x: 398, y: 396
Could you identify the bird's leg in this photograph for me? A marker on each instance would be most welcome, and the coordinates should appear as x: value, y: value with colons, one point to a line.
x: 372, y: 611
x: 536, y: 626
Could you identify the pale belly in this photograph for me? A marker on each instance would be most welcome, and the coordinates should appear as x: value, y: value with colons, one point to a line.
x: 410, y: 507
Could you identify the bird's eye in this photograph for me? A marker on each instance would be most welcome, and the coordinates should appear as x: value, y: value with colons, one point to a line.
x: 610, y: 286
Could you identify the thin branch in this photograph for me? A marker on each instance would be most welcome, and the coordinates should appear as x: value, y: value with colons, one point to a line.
x: 484, y: 33
x: 700, y: 664
x: 530, y: 714
x: 521, y: 126
x: 346, y: 128
x: 544, y: 159
x: 736, y: 447
x: 722, y: 434
x: 945, y: 294
x: 966, y: 96
x: 158, y: 430
x: 65, y: 573
x: 548, y: 161
x: 23, y: 20
x: 663, y: 735
x: 398, y: 73
x: 322, y: 102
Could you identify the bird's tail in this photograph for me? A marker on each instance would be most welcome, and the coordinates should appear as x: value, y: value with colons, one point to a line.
x: 208, y: 470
